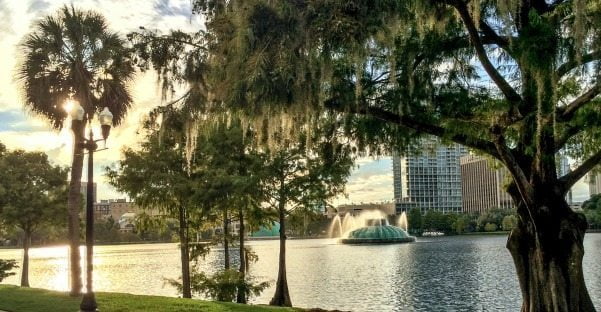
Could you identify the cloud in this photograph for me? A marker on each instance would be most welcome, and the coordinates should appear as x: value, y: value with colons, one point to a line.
x: 20, y: 130
x: 370, y: 182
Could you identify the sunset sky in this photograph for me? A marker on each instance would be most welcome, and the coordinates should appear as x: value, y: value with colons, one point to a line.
x: 19, y: 129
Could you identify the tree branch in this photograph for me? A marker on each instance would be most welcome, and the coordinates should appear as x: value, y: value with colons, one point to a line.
x: 523, y: 185
x: 567, y: 112
x: 462, y: 42
x: 571, y: 64
x: 494, y: 37
x: 510, y: 94
x: 420, y: 126
x: 568, y: 180
x: 567, y: 134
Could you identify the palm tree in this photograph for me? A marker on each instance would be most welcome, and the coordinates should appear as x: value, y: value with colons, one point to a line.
x: 73, y: 55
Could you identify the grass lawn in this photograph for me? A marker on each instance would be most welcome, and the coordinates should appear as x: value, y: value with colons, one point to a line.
x: 18, y: 299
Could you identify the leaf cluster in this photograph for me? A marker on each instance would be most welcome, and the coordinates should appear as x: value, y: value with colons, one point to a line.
x: 33, y: 191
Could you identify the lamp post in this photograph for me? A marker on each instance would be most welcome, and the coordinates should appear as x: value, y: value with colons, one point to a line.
x: 88, y: 302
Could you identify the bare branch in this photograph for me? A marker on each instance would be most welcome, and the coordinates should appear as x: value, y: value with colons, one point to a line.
x: 567, y: 112
x: 493, y: 37
x: 571, y: 64
x: 462, y: 42
x: 568, y: 180
x: 510, y: 94
x: 521, y: 181
x: 567, y: 134
x: 417, y: 125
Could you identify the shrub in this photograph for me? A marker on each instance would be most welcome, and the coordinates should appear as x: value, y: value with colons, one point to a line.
x: 490, y: 227
x: 5, y: 267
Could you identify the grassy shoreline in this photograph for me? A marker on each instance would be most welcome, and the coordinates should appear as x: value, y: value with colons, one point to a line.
x: 19, y: 299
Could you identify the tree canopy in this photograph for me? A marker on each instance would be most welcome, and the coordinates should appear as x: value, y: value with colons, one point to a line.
x: 34, y: 190
x: 515, y: 79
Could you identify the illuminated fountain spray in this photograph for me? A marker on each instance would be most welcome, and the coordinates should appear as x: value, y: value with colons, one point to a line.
x: 403, y: 223
x: 369, y: 227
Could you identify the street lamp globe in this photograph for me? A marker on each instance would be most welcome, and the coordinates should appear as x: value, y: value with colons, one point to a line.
x: 106, y: 121
x: 76, y: 112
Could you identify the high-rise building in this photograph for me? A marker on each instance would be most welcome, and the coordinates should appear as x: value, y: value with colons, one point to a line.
x: 594, y: 183
x: 430, y: 179
x: 563, y: 168
x: 102, y: 209
x: 482, y: 185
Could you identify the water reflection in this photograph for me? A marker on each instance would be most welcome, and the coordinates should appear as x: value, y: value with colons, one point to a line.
x: 465, y: 273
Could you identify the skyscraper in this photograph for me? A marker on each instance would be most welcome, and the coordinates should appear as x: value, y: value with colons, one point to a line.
x: 482, y: 185
x: 563, y: 168
x: 430, y: 179
x: 594, y: 183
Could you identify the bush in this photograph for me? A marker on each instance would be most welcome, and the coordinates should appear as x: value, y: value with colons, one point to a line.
x: 5, y: 267
x: 509, y: 222
x: 490, y: 227
x: 221, y: 286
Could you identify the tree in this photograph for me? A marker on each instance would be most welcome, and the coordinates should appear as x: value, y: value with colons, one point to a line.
x: 592, y: 211
x: 232, y: 167
x: 5, y: 267
x: 509, y: 222
x: 414, y: 218
x: 35, y: 193
x: 460, y: 225
x: 73, y: 55
x: 158, y: 176
x: 401, y: 69
x: 298, y: 176
x: 397, y: 70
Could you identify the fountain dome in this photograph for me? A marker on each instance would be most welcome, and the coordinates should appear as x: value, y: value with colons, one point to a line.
x: 377, y: 231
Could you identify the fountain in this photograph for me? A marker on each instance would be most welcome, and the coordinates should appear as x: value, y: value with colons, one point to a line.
x: 369, y: 227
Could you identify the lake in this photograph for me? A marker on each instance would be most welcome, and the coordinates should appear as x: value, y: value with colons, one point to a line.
x: 457, y: 273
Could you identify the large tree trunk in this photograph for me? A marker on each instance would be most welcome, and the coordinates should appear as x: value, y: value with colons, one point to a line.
x: 547, y: 249
x: 74, y: 206
x: 185, y: 253
x: 25, y: 268
x: 282, y: 296
x: 241, y: 295
x: 226, y: 245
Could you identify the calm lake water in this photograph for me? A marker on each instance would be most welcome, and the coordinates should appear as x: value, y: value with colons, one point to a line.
x: 461, y: 273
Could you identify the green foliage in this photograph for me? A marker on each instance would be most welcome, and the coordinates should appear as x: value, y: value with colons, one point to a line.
x: 592, y: 211
x: 490, y: 227
x: 156, y: 176
x: 414, y: 218
x: 593, y: 203
x: 35, y: 191
x: 509, y: 222
x: 460, y: 224
x: 436, y: 221
x: 107, y: 231
x: 308, y: 222
x: 6, y: 266
x: 223, y: 285
x: 494, y: 216
x: 74, y: 54
x: 297, y: 176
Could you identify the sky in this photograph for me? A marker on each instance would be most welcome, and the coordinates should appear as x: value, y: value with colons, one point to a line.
x: 371, y: 181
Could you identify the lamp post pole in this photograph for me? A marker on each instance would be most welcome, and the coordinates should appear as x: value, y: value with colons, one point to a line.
x: 88, y: 302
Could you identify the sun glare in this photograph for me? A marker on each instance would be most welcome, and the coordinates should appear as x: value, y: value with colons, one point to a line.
x: 68, y: 106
